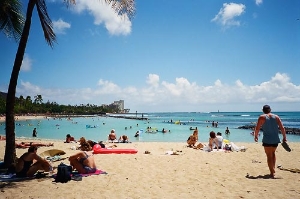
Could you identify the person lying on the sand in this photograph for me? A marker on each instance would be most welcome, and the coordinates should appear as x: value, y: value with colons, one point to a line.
x: 24, y: 145
x: 83, y: 162
x: 29, y: 163
x: 108, y: 147
x: 124, y: 139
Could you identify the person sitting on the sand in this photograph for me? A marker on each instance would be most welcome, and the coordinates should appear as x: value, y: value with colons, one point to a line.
x: 24, y: 145
x: 191, y: 141
x: 112, y: 136
x: 29, y: 163
x: 219, y: 138
x: 124, y: 139
x: 83, y: 162
x: 193, y: 138
x: 69, y: 139
x: 2, y: 137
x: 84, y: 145
x: 195, y: 133
x: 212, y: 141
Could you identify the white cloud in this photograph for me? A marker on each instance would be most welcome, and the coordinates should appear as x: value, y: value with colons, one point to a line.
x: 104, y: 14
x: 60, y: 26
x: 106, y: 87
x: 26, y: 63
x: 180, y: 95
x: 153, y: 80
x: 258, y: 2
x: 228, y: 14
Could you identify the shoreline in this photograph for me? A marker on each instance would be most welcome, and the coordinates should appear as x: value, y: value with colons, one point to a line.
x: 158, y: 175
x: 47, y: 129
x: 43, y: 116
x: 25, y: 117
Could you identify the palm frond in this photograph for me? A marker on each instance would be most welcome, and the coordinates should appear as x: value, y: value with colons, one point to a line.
x: 46, y: 22
x: 123, y: 7
x: 11, y: 18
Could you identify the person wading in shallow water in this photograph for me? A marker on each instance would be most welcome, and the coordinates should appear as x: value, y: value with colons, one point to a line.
x: 269, y: 123
x: 34, y: 133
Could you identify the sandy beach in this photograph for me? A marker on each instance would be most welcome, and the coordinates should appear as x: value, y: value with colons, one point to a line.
x: 23, y: 117
x: 192, y: 173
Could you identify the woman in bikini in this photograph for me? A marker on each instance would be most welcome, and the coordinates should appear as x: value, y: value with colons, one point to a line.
x: 191, y: 141
x: 29, y: 163
x: 83, y: 162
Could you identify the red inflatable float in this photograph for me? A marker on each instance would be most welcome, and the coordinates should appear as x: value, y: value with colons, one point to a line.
x: 98, y: 150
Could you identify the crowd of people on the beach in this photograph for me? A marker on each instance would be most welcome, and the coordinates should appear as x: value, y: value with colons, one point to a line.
x: 83, y: 161
x: 215, y: 141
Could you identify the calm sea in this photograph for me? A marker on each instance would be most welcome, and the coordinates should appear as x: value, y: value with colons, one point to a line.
x: 178, y: 132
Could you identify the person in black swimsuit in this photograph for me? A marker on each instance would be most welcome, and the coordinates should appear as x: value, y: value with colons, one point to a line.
x: 29, y: 163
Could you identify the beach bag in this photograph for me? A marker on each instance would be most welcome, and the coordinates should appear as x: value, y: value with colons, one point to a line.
x: 63, y: 173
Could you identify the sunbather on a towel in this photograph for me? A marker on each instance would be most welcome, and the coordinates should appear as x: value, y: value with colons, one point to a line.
x: 29, y: 163
x: 24, y: 145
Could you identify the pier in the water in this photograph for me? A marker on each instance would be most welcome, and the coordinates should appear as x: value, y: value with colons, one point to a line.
x: 132, y: 117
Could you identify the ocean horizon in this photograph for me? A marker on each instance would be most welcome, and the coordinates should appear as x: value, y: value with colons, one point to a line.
x: 177, y: 124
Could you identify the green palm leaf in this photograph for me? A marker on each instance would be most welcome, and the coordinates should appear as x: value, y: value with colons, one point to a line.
x: 46, y: 22
x: 123, y: 7
x: 11, y: 18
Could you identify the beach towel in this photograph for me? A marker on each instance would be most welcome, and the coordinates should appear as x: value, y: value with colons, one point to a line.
x: 78, y: 176
x: 52, y: 153
x: 97, y: 172
x: 207, y: 149
x: 13, y: 178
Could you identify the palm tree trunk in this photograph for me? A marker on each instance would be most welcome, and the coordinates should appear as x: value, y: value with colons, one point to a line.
x: 10, y: 149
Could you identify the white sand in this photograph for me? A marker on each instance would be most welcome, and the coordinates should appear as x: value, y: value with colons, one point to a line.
x: 192, y: 174
x: 27, y: 117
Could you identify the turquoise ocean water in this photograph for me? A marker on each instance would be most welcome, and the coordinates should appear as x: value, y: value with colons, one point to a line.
x: 58, y: 128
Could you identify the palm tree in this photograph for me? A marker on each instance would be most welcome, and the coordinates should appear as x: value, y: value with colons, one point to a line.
x: 11, y: 18
x: 38, y: 99
x: 120, y: 7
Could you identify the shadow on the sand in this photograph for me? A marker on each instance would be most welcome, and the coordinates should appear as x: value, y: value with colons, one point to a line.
x: 267, y: 176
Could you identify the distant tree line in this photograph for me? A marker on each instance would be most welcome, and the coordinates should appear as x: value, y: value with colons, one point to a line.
x: 37, y: 106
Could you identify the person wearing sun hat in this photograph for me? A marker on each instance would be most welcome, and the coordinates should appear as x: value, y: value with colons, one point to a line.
x: 269, y: 124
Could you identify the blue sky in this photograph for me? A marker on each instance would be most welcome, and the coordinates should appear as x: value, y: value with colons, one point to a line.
x: 196, y: 55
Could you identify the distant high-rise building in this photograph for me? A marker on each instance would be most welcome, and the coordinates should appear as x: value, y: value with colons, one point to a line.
x: 120, y: 104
